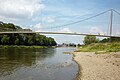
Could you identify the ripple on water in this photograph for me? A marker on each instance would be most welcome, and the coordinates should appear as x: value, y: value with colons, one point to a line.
x: 37, y: 64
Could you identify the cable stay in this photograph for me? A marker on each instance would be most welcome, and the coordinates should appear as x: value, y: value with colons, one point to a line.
x: 116, y: 11
x: 78, y: 21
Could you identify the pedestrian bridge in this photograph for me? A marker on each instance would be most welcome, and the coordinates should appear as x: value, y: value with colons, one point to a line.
x: 65, y: 33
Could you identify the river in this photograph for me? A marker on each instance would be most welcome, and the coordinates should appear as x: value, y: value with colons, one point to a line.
x: 37, y: 64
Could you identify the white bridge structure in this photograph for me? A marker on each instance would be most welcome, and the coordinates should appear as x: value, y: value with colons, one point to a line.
x: 74, y: 33
x: 65, y: 33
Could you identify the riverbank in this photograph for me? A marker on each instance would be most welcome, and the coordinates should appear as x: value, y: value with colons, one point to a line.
x: 98, y: 66
x: 21, y: 46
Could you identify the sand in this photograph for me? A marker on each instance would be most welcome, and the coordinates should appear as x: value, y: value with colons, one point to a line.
x: 98, y: 66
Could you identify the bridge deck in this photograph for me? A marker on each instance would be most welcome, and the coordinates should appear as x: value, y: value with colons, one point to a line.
x: 29, y: 32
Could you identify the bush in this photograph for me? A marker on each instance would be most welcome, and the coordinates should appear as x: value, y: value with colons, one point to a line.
x: 90, y: 39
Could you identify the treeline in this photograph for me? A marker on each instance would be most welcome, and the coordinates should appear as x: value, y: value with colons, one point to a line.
x: 112, y: 39
x: 26, y: 39
x: 93, y: 39
x: 8, y: 26
x: 23, y: 39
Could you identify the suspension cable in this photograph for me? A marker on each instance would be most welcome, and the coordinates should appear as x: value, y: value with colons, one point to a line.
x: 116, y: 12
x: 78, y: 21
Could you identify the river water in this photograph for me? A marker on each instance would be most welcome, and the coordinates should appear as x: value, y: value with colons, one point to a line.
x: 37, y: 64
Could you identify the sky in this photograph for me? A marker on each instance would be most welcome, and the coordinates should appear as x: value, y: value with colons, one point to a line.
x: 43, y: 15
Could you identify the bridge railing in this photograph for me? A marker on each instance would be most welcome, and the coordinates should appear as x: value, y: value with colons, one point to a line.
x: 15, y: 30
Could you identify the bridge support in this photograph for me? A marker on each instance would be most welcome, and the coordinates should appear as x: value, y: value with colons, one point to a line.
x: 111, y: 21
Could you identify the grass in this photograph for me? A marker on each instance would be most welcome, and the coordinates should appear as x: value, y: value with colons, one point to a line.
x: 101, y: 47
x: 15, y: 46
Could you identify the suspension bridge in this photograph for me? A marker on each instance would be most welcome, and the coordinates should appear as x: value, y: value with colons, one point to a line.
x: 74, y: 33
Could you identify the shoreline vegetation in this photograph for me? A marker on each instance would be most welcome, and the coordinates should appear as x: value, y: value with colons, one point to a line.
x: 98, y: 60
x: 26, y: 39
x: 22, y: 46
x: 99, y: 48
x: 106, y: 45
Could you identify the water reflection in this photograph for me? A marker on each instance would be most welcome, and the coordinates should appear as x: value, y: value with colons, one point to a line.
x: 11, y: 59
x: 37, y: 64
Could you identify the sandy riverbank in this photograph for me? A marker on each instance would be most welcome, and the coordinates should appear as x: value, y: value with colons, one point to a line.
x: 98, y: 66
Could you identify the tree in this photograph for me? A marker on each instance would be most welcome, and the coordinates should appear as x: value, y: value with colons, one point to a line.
x: 27, y: 39
x: 17, y: 41
x: 112, y: 39
x: 30, y: 40
x: 52, y: 41
x: 10, y: 25
x: 90, y: 39
x: 22, y: 39
x: 5, y: 40
x: 39, y: 40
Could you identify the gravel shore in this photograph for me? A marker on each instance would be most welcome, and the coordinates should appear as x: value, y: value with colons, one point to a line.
x: 98, y: 66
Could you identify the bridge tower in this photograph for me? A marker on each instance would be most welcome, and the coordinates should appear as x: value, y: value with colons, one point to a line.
x: 111, y: 21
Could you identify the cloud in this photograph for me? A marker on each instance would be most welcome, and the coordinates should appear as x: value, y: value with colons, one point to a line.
x: 65, y: 30
x: 49, y: 19
x: 37, y: 27
x: 96, y: 30
x: 21, y: 9
x: 36, y: 19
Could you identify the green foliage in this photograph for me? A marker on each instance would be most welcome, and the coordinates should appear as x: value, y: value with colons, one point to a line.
x: 27, y: 39
x: 112, y: 39
x: 105, y: 40
x: 90, y: 39
x: 30, y: 40
x: 20, y: 46
x: 16, y: 41
x: 101, y: 47
x: 105, y: 45
x: 5, y: 39
x: 114, y: 47
x: 23, y: 39
x: 8, y: 26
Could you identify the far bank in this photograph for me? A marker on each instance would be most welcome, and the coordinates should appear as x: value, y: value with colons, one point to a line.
x: 22, y: 46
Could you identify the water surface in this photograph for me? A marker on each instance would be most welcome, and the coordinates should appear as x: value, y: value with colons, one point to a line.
x: 37, y: 64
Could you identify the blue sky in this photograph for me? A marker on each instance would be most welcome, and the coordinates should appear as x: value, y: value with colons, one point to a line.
x: 39, y: 14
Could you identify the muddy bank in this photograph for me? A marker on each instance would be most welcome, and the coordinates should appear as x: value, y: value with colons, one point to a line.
x: 98, y: 66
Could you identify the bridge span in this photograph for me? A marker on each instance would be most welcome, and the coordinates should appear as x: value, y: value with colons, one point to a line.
x: 65, y: 33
